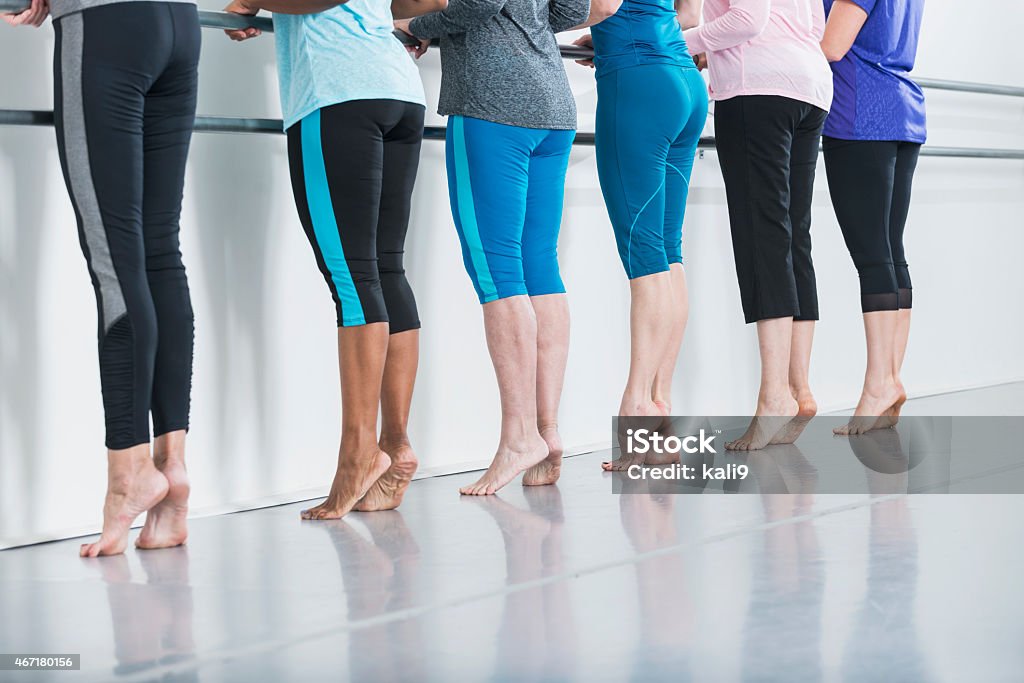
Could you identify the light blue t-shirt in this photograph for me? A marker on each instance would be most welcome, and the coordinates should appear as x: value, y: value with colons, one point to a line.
x: 342, y: 54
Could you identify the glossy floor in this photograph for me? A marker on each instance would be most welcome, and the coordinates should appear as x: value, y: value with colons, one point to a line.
x: 567, y: 582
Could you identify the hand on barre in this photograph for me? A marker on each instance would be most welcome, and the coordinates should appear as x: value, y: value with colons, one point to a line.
x: 240, y: 34
x: 35, y: 15
x: 585, y: 41
x: 417, y: 50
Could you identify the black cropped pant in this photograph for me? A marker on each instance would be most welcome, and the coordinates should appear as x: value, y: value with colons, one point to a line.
x: 353, y: 166
x: 768, y: 150
x: 870, y: 183
x: 125, y: 78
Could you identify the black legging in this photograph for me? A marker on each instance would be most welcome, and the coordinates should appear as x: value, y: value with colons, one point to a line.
x: 870, y: 183
x: 124, y: 103
x: 768, y: 150
x: 353, y: 166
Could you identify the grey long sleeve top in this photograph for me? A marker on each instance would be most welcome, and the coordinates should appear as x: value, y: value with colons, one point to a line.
x: 500, y: 60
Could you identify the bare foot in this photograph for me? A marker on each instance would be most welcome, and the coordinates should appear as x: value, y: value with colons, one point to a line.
x: 387, y: 492
x: 807, y: 408
x: 167, y: 523
x: 657, y: 411
x: 772, y: 416
x: 353, y: 479
x: 547, y: 470
x: 125, y: 501
x: 891, y: 417
x: 872, y: 408
x: 507, y: 464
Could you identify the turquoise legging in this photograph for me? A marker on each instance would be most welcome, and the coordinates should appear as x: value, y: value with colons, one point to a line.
x: 506, y: 185
x: 649, y: 119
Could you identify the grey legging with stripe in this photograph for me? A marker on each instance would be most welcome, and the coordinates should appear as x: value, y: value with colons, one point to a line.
x: 125, y: 78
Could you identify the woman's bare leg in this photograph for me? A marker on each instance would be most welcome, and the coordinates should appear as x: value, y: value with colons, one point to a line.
x: 799, y: 381
x: 775, y: 404
x: 134, y: 485
x: 651, y: 330
x: 395, y: 402
x: 362, y: 351
x: 882, y: 390
x: 167, y: 523
x: 679, y: 313
x: 511, y: 326
x: 552, y: 311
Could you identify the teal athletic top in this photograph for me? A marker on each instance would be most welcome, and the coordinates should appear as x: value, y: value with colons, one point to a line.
x: 641, y: 32
x: 342, y: 54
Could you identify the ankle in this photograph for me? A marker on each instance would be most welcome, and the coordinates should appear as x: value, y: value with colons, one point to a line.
x: 358, y: 440
x: 879, y: 384
x: 394, y: 440
x: 774, y: 393
x: 546, y: 426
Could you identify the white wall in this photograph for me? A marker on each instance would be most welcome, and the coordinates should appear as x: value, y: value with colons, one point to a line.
x: 265, y: 407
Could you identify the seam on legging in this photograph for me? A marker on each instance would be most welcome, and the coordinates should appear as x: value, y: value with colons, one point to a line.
x: 749, y: 206
x: 686, y: 182
x: 618, y: 166
x: 629, y: 243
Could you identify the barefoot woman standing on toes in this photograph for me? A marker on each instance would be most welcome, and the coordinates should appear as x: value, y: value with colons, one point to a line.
x: 651, y: 108
x: 353, y: 112
x: 124, y: 120
x: 512, y: 120
x: 772, y: 89
x: 872, y: 139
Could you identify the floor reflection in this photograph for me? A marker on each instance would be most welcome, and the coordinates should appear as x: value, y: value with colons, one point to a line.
x: 884, y: 636
x: 152, y: 620
x: 666, y: 611
x: 537, y: 636
x: 381, y: 576
x: 783, y: 623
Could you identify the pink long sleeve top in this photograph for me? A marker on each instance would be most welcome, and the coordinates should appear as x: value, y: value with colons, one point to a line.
x: 764, y: 47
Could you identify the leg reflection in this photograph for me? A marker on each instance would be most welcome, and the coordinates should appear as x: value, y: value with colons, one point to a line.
x: 667, y: 625
x: 381, y: 576
x: 783, y: 629
x: 883, y: 643
x: 153, y: 620
x: 530, y: 648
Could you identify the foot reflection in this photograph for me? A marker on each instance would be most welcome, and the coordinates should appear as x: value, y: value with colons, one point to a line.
x: 883, y: 644
x: 152, y: 620
x: 381, y: 575
x: 537, y: 637
x: 667, y: 620
x: 785, y: 609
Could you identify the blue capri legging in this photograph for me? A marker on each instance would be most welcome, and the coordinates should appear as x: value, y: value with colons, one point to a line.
x: 649, y: 120
x: 506, y: 185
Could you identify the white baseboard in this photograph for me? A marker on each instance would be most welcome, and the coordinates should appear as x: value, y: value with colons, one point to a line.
x: 289, y: 497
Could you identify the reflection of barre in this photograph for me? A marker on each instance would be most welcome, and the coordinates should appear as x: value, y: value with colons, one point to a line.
x: 227, y: 20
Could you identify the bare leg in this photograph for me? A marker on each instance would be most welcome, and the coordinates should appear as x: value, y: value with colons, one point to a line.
x: 799, y: 383
x: 511, y: 327
x: 651, y: 328
x: 134, y: 485
x: 167, y: 523
x: 882, y: 390
x: 679, y: 313
x: 362, y: 351
x: 775, y: 404
x: 395, y: 401
x: 892, y: 416
x: 552, y: 311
